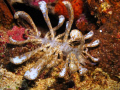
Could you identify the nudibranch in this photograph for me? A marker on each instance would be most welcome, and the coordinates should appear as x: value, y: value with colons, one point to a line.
x: 70, y: 45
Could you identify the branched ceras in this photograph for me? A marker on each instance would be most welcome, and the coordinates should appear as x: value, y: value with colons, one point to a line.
x: 70, y: 45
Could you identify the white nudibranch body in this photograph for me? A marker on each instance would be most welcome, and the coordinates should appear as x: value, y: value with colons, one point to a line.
x: 68, y: 48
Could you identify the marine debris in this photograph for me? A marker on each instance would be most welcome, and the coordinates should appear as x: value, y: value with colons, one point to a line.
x: 68, y: 47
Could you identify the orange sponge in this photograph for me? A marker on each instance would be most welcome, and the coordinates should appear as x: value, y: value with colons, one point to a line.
x: 77, y: 5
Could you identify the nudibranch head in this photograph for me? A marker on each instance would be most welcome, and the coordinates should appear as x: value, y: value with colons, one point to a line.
x: 76, y: 34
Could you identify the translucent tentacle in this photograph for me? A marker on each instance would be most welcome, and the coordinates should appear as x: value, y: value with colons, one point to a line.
x: 60, y: 23
x: 24, y: 57
x: 53, y: 63
x: 27, y: 17
x: 72, y: 65
x: 92, y: 58
x: 92, y: 44
x: 44, y: 10
x: 33, y: 72
x: 89, y: 35
x: 64, y: 69
x: 71, y: 18
x: 47, y: 36
x: 12, y: 41
x: 82, y: 59
x: 59, y: 36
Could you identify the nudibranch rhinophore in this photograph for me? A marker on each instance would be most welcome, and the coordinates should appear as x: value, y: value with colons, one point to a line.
x: 70, y: 44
